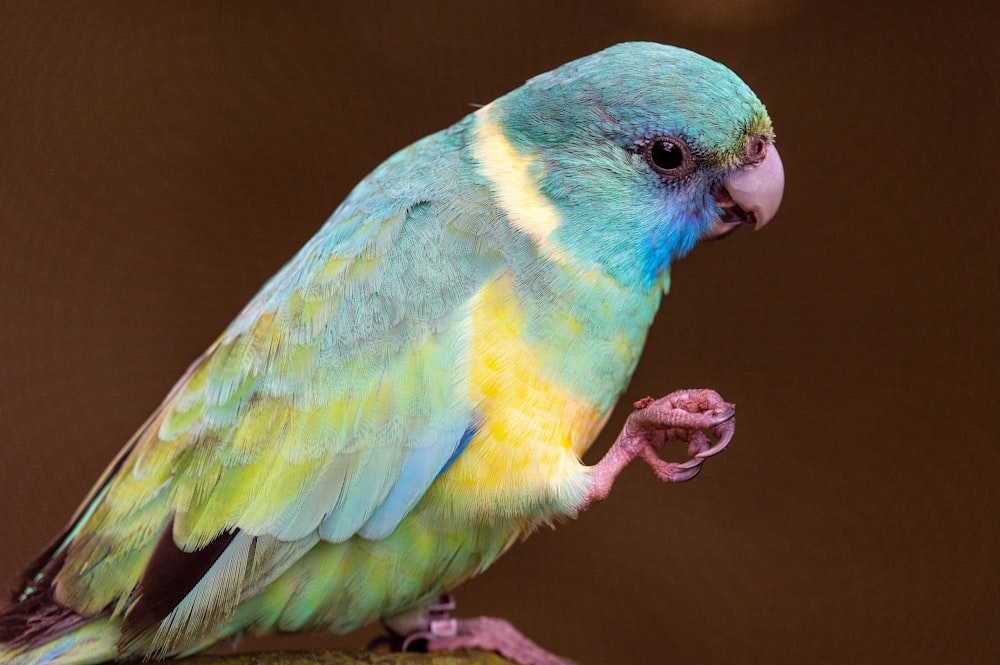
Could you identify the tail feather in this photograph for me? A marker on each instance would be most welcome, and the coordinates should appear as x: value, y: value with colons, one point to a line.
x: 37, y: 630
x: 87, y: 644
x: 37, y: 618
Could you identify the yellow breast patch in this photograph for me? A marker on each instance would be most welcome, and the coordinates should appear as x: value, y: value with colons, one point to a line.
x: 532, y: 430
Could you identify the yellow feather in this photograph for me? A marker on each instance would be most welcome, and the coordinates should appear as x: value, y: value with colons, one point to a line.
x: 526, y: 451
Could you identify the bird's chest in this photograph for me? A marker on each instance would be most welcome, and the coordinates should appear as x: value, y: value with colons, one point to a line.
x: 543, y: 376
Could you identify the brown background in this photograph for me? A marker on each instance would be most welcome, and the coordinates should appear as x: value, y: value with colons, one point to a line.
x: 158, y: 161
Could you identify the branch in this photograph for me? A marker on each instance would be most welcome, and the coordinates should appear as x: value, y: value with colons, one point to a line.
x: 377, y: 657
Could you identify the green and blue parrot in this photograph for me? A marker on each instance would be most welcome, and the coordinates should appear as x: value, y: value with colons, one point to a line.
x: 414, y: 390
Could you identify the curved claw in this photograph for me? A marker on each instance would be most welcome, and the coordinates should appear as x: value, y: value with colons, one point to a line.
x: 670, y: 472
x: 413, y: 637
x: 725, y: 431
x: 693, y: 463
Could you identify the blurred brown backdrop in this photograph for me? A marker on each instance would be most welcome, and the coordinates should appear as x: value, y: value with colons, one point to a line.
x: 158, y: 161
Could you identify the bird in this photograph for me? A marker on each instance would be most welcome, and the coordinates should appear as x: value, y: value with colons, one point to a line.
x: 413, y: 391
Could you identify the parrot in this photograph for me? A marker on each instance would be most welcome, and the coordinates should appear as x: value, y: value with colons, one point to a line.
x: 413, y: 392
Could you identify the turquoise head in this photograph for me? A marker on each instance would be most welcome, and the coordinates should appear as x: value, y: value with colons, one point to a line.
x: 630, y: 156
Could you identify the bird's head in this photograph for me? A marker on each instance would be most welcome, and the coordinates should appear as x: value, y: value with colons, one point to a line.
x: 624, y: 159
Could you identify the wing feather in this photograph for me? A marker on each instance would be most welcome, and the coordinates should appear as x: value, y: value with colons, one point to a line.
x: 324, y: 411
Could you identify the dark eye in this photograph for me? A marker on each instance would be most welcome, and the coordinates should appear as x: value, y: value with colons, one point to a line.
x: 669, y: 156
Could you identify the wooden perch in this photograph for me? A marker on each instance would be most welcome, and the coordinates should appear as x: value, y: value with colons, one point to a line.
x: 377, y: 657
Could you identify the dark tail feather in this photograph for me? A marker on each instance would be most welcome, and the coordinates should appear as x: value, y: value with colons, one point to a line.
x: 34, y: 616
x: 36, y: 629
x: 37, y: 619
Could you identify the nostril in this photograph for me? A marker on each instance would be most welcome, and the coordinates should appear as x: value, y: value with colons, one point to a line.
x: 756, y: 149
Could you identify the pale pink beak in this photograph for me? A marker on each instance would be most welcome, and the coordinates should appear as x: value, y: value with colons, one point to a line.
x: 750, y: 195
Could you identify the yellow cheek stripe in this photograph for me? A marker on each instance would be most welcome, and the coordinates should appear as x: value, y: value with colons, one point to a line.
x: 532, y: 430
x: 508, y: 170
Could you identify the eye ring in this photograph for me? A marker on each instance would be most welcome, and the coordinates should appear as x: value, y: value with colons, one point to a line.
x: 668, y: 156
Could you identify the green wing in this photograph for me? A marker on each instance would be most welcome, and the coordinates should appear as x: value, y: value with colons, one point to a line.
x: 323, y: 412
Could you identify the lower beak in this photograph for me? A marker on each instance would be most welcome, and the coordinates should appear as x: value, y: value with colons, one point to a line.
x: 750, y: 195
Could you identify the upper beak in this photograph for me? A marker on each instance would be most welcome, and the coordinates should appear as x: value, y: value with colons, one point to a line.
x: 750, y: 195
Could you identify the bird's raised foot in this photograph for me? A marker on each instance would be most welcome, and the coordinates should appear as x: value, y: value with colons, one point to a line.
x: 685, y: 415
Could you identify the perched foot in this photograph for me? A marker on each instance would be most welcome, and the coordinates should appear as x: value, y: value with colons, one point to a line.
x: 498, y: 635
x: 440, y: 632
x: 685, y: 416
